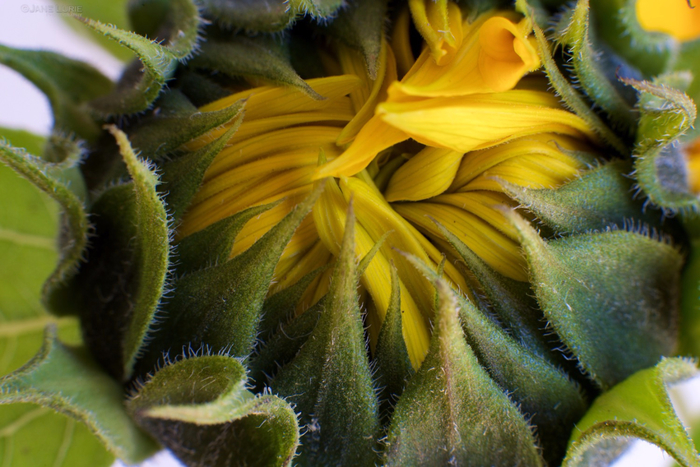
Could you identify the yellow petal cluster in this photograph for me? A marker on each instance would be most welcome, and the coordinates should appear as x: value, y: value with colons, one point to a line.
x: 431, y: 139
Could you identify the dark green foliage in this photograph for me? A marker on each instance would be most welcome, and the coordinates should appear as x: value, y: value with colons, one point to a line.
x: 200, y: 409
x: 329, y: 381
x: 452, y: 412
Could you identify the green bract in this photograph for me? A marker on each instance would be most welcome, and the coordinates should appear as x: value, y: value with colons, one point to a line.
x: 156, y: 338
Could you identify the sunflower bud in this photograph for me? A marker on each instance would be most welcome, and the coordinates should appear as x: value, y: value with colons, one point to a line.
x: 395, y: 234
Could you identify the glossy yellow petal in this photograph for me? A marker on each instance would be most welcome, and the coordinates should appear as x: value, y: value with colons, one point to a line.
x: 507, y: 53
x: 480, y: 121
x: 427, y: 174
x: 329, y: 216
x: 674, y: 17
x: 269, y: 101
x: 305, y: 137
x: 526, y: 171
x: 495, y: 54
x: 439, y: 22
x: 377, y: 217
x: 492, y: 246
x: 374, y: 137
x: 249, y: 174
x: 483, y: 204
x: 260, y: 225
x: 545, y: 144
x: 386, y: 74
x: 242, y: 196
x: 298, y: 267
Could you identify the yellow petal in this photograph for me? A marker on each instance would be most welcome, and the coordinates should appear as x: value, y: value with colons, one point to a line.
x: 674, y: 17
x: 527, y: 171
x: 496, y: 249
x: 377, y: 217
x: 386, y: 74
x: 268, y: 101
x: 298, y: 267
x: 434, y: 20
x: 494, y: 55
x: 545, y: 144
x: 374, y: 137
x: 692, y: 155
x: 483, y: 204
x: 329, y: 216
x: 427, y: 174
x: 314, y: 137
x: 247, y: 175
x: 479, y: 121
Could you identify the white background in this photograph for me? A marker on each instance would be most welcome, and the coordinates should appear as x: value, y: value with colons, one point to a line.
x: 23, y: 106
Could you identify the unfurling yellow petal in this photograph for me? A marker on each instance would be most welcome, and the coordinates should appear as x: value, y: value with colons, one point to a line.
x: 494, y: 55
x: 480, y: 121
x: 546, y: 145
x: 377, y: 92
x: 427, y: 174
x: 374, y: 137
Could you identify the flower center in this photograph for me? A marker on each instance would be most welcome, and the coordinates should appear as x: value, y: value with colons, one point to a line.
x: 438, y: 147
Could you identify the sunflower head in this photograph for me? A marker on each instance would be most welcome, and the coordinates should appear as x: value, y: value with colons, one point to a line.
x: 376, y: 233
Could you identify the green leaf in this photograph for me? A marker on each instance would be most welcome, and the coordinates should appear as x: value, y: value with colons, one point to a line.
x: 48, y: 178
x: 219, y: 307
x: 200, y: 409
x: 67, y: 380
x: 361, y: 26
x: 250, y: 15
x: 175, y: 121
x: 639, y: 407
x: 612, y: 297
x: 571, y: 98
x: 330, y: 381
x: 28, y: 255
x: 598, y: 199
x: 68, y: 84
x: 543, y: 392
x: 588, y: 71
x: 259, y: 57
x: 452, y: 412
x: 660, y: 165
x: 120, y: 288
x: 64, y: 441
